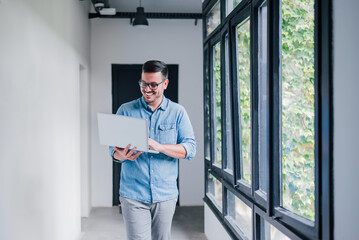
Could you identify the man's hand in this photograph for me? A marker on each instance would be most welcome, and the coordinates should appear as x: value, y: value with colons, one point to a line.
x: 172, y: 150
x: 154, y: 145
x: 123, y: 154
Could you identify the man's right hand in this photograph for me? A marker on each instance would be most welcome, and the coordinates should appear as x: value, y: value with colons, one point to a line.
x: 123, y: 154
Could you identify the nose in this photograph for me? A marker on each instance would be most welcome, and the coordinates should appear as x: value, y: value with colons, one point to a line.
x: 147, y: 87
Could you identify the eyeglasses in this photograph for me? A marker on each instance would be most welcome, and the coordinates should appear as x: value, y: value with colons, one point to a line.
x: 152, y: 85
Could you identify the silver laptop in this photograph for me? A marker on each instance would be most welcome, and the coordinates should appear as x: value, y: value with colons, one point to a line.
x: 117, y: 130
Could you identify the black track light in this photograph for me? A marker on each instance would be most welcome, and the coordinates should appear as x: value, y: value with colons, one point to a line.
x: 140, y: 18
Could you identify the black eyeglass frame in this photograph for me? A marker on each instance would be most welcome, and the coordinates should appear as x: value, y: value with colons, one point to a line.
x: 152, y: 85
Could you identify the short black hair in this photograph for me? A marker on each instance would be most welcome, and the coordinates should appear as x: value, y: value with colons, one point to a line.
x: 155, y: 66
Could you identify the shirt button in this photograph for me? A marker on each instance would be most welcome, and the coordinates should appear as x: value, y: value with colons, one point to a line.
x: 151, y: 156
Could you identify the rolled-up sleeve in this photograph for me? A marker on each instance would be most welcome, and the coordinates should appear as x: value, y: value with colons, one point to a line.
x: 111, y: 151
x: 186, y: 135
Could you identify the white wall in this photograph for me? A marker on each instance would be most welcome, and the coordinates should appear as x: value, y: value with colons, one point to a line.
x: 213, y: 229
x: 346, y: 118
x: 42, y: 44
x: 85, y: 141
x: 172, y: 41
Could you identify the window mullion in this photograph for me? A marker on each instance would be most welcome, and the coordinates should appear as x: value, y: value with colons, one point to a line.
x: 324, y: 64
x: 274, y: 139
x: 240, y: 28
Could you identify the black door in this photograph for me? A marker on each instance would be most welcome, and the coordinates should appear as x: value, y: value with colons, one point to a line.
x: 124, y: 89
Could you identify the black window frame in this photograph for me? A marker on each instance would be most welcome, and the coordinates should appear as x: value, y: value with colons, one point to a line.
x: 206, y: 8
x: 259, y: 196
x: 214, y: 41
x: 227, y: 105
x: 267, y: 205
x: 235, y: 21
x: 227, y: 187
x: 207, y: 118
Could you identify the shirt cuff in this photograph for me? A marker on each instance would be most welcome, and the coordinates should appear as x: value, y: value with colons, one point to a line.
x: 112, y: 151
x: 189, y: 152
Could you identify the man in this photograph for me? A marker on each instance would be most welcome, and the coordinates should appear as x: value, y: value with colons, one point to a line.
x: 148, y: 186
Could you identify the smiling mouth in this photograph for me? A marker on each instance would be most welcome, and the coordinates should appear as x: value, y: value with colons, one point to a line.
x: 149, y: 94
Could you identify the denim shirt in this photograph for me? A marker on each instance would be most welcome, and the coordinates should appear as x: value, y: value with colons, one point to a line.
x: 153, y: 177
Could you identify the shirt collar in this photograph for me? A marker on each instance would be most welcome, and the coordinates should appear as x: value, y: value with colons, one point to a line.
x: 164, y: 103
x: 162, y: 106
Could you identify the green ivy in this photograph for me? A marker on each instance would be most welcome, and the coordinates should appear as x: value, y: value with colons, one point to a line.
x: 217, y: 70
x: 244, y: 76
x: 298, y: 107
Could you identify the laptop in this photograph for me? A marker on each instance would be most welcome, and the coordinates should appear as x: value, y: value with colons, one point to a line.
x: 117, y: 130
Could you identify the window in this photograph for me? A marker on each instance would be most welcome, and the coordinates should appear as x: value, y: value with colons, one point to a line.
x: 228, y: 163
x: 231, y: 4
x: 272, y: 233
x: 267, y: 117
x: 207, y: 114
x: 240, y: 216
x: 213, y: 18
x: 244, y: 90
x: 214, y: 190
x: 216, y: 50
x: 298, y: 114
x: 263, y: 100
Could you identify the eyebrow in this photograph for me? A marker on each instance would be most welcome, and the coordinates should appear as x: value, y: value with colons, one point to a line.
x: 152, y: 82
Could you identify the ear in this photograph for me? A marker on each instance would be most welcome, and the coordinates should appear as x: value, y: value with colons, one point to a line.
x: 166, y: 83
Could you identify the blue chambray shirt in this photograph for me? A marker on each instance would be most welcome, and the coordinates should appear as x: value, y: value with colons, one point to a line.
x: 153, y: 177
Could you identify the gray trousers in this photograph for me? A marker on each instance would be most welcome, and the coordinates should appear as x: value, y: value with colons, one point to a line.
x: 146, y: 221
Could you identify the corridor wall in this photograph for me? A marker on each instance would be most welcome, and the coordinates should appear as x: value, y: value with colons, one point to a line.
x: 42, y: 45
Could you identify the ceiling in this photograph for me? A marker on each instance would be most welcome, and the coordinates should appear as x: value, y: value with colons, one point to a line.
x: 163, y: 6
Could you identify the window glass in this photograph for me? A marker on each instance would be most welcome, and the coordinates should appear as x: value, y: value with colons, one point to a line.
x: 229, y: 149
x: 269, y: 232
x: 231, y: 4
x: 213, y: 18
x: 215, y: 190
x: 243, y: 54
x: 298, y: 163
x: 240, y: 215
x: 262, y: 98
x: 207, y: 131
x: 218, y: 106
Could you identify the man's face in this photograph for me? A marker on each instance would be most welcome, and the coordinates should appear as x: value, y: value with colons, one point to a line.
x: 153, y: 96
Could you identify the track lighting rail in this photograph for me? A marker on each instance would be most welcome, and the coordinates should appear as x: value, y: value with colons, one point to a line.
x: 157, y: 15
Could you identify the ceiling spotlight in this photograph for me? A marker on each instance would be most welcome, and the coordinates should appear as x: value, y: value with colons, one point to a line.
x: 99, y: 6
x: 140, y: 18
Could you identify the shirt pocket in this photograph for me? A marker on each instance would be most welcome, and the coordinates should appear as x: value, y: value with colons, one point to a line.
x: 167, y: 133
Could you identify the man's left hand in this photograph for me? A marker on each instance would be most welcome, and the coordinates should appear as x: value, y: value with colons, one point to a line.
x: 154, y: 145
x: 172, y: 150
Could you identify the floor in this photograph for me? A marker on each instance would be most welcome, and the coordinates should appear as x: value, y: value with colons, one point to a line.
x: 106, y: 223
